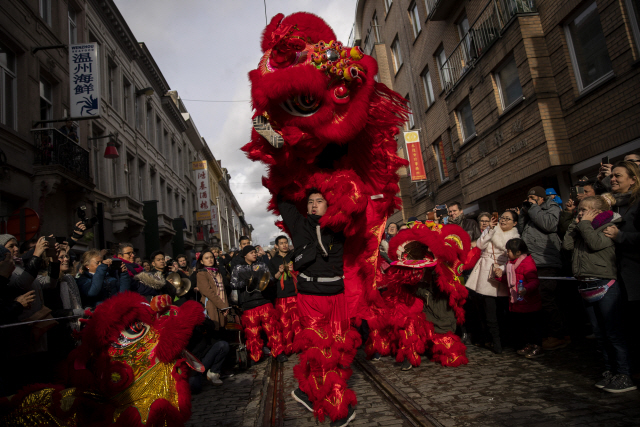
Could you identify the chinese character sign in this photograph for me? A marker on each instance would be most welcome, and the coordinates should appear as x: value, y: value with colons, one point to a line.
x: 203, y: 197
x: 414, y: 154
x: 84, y: 74
x: 214, y: 219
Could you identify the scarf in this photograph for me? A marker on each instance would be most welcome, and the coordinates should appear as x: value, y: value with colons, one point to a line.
x: 601, y: 219
x: 622, y: 199
x: 214, y: 274
x: 511, y: 278
x: 135, y: 266
x: 457, y: 220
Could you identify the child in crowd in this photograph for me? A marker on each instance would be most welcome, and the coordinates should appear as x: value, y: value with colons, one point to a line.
x: 521, y: 275
x: 594, y: 265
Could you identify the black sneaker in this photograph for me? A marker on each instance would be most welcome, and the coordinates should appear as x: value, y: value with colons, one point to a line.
x: 406, y: 365
x: 536, y: 351
x: 619, y: 384
x: 282, y: 358
x: 266, y: 350
x: 376, y: 356
x: 466, y: 339
x: 523, y: 351
x: 346, y: 420
x: 606, y: 379
x: 301, y: 397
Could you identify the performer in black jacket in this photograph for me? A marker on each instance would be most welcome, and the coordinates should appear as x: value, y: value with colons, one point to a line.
x: 327, y: 341
x: 286, y: 283
x: 258, y: 312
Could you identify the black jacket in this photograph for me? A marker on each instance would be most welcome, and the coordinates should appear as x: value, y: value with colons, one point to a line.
x: 289, y: 287
x: 241, y: 276
x: 9, y: 308
x: 304, y: 231
x: 153, y: 283
x: 628, y: 247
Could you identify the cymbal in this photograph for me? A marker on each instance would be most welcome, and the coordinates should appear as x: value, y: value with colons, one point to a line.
x: 264, y: 281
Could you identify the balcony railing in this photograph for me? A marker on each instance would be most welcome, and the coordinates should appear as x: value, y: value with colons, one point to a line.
x: 485, y: 30
x: 372, y: 38
x: 52, y: 147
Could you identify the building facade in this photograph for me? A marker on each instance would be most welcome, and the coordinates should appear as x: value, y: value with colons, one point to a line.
x: 147, y: 195
x: 507, y: 94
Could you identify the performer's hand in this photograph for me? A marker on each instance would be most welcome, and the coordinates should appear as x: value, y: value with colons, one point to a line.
x: 497, y: 272
x: 281, y: 269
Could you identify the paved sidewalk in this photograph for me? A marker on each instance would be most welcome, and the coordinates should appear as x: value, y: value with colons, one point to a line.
x: 509, y: 390
x: 492, y: 390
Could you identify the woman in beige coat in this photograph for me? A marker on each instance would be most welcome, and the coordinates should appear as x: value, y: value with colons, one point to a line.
x: 211, y: 287
x: 488, y: 292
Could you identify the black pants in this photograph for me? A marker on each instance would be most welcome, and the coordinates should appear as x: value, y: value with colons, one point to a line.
x: 554, y: 326
x: 492, y: 315
x: 528, y: 328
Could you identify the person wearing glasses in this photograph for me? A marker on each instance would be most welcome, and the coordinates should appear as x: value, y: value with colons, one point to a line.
x: 127, y: 254
x: 491, y: 294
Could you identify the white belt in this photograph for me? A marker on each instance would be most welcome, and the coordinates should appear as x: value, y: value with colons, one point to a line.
x: 320, y: 279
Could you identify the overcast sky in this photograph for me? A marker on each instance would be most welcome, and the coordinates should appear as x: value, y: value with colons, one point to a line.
x: 205, y: 48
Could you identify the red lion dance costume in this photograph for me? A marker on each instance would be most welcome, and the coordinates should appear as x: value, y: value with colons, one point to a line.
x: 322, y: 121
x: 402, y: 328
x: 131, y: 370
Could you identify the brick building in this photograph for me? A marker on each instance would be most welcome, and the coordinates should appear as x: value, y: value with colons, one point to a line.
x: 147, y: 195
x: 507, y: 94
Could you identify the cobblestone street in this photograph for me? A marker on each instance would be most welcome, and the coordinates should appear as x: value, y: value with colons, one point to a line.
x: 492, y: 390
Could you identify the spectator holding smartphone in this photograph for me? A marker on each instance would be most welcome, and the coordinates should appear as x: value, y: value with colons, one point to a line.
x: 456, y: 216
x: 604, y: 175
x: 97, y: 281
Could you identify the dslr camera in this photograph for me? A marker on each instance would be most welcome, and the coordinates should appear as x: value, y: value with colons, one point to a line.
x: 526, y: 204
x: 82, y: 214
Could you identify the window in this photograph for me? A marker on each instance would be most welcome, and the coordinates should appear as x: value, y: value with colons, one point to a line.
x: 445, y: 77
x: 180, y: 164
x: 126, y: 97
x: 45, y: 11
x: 73, y: 27
x: 111, y: 82
x: 96, y: 159
x: 387, y: 5
x: 411, y: 122
x: 149, y: 122
x: 129, y: 175
x: 173, y: 155
x: 114, y: 176
x: 427, y: 6
x: 465, y: 118
x: 438, y: 151
x: 415, y: 19
x: 463, y: 31
x: 633, y: 6
x: 508, y: 83
x: 152, y: 185
x: 395, y: 53
x: 136, y: 108
x: 159, y: 135
x: 376, y: 28
x: 7, y: 87
x: 588, y: 48
x: 428, y: 88
x: 46, y: 103
x: 141, y: 174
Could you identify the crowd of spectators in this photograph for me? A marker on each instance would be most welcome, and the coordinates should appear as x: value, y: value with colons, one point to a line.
x: 549, y: 272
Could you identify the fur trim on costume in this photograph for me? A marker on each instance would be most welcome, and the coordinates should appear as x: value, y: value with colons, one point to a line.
x: 152, y: 280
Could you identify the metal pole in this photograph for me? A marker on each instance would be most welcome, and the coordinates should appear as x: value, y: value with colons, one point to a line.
x: 220, y: 222
x: 228, y: 233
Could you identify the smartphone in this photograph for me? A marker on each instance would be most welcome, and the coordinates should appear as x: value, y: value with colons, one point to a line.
x: 60, y: 240
x: 51, y: 250
x: 441, y: 210
x: 605, y: 160
x: 574, y: 193
x: 580, y: 190
x: 116, y: 264
x: 496, y: 216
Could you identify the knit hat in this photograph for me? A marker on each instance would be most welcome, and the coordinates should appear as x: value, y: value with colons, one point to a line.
x: 4, y: 239
x: 247, y: 249
x: 538, y: 191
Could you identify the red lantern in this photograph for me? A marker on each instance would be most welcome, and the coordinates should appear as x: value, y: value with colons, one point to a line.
x: 111, y: 152
x: 211, y: 230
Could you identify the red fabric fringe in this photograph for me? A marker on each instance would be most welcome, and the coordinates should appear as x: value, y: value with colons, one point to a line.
x: 259, y: 318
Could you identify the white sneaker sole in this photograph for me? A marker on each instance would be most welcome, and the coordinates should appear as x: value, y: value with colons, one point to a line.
x: 297, y: 399
x: 351, y: 418
x: 623, y: 390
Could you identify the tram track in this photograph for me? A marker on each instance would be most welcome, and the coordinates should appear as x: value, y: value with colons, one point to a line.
x: 273, y: 409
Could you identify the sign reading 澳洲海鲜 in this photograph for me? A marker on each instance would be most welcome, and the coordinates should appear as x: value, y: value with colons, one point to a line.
x: 203, y: 197
x: 84, y: 75
x: 414, y: 154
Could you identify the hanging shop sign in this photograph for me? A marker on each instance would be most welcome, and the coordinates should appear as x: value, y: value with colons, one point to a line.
x: 84, y: 76
x: 203, y: 197
x: 414, y: 152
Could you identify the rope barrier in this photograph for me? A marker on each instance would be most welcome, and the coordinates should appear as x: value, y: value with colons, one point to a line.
x: 11, y: 325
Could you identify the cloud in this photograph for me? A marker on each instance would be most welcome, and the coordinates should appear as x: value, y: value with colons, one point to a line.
x: 205, y: 49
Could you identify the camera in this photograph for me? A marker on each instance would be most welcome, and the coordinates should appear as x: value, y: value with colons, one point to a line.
x: 526, y: 204
x: 82, y: 214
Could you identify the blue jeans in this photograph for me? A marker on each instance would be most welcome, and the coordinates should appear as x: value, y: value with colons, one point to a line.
x: 605, y: 316
x: 212, y: 361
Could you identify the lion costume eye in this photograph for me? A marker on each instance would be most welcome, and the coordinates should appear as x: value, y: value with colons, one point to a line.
x: 131, y: 334
x: 301, y: 105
